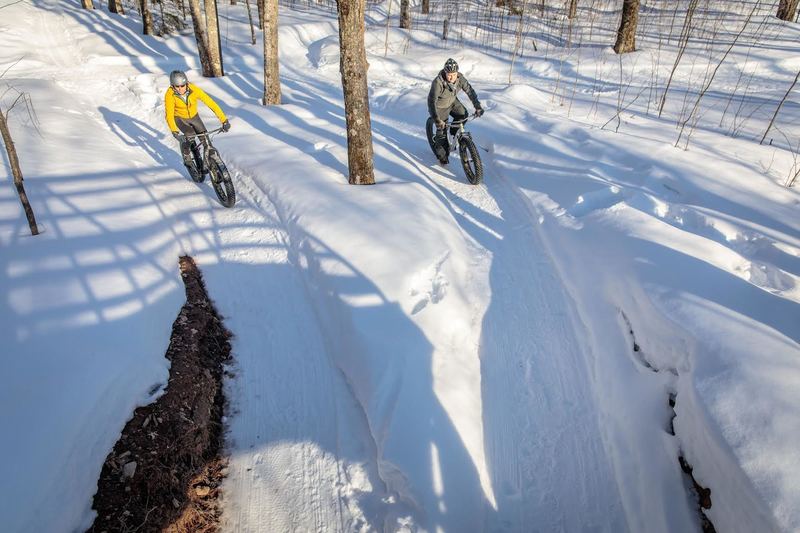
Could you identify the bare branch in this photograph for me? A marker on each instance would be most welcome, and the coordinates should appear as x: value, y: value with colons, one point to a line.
x: 12, y: 66
x: 771, y: 122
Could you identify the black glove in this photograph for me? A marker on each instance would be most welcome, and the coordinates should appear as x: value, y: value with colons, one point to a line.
x: 226, y: 126
x: 478, y: 111
x: 180, y: 137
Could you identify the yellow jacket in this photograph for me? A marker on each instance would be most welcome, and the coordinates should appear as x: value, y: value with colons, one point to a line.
x: 175, y: 106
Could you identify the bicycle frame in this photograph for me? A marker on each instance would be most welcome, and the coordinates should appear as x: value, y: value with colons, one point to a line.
x: 206, y: 142
x: 454, y: 138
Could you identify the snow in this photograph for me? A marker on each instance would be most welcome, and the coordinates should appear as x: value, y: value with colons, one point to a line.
x: 422, y: 354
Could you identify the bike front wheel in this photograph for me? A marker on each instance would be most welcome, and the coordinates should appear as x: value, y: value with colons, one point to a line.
x: 430, y: 131
x: 221, y: 181
x: 196, y: 168
x: 470, y: 160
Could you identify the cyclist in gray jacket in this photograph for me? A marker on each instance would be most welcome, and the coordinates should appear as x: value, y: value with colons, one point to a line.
x: 443, y: 101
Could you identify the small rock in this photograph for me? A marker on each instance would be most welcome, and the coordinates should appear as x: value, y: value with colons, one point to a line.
x: 129, y: 470
x: 202, y: 490
x: 175, y: 503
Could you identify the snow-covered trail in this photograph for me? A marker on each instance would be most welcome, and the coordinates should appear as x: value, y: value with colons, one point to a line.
x: 130, y: 222
x: 419, y: 355
x: 545, y: 450
x: 505, y: 417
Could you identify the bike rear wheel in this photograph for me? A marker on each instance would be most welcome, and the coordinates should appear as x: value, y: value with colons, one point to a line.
x: 221, y: 181
x: 470, y: 160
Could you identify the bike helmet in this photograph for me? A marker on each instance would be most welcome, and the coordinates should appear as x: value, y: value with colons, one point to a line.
x: 450, y: 65
x: 177, y: 77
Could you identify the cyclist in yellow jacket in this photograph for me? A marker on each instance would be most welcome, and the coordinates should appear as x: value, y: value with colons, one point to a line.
x: 180, y: 105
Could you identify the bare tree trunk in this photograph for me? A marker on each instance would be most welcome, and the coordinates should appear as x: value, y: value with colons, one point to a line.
x: 572, y: 9
x: 214, y: 44
x: 260, y: 6
x: 16, y: 172
x: 147, y: 17
x: 200, y: 36
x: 87, y: 4
x: 272, y: 81
x: 518, y: 41
x: 115, y: 6
x: 626, y: 35
x: 353, y: 68
x: 511, y: 5
x: 405, y: 15
x: 426, y: 7
x: 250, y: 19
x: 787, y: 9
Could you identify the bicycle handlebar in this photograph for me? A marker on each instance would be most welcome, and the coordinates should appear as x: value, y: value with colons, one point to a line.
x: 463, y: 120
x: 205, y: 133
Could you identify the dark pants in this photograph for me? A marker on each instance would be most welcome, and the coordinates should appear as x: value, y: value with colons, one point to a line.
x: 190, y: 126
x: 458, y: 112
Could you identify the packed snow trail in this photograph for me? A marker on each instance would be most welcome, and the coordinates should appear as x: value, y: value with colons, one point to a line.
x: 111, y: 241
x: 308, y: 449
x: 420, y: 355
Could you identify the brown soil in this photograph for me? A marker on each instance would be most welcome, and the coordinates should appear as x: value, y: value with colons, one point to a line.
x: 164, y: 473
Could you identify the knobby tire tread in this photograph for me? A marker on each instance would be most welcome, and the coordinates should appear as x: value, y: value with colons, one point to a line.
x: 222, y: 183
x: 469, y: 154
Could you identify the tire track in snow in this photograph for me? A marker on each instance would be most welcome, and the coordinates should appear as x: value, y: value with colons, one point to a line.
x: 543, y: 445
x: 331, y: 468
x: 546, y: 449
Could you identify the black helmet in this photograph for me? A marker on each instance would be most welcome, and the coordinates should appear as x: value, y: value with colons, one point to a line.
x: 177, y: 77
x: 450, y: 65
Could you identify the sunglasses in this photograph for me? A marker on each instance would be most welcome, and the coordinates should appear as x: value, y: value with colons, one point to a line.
x: 179, y: 86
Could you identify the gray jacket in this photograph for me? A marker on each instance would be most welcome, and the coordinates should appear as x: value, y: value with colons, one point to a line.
x: 444, y: 94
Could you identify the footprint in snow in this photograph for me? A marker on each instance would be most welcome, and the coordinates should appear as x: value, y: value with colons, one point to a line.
x: 428, y: 285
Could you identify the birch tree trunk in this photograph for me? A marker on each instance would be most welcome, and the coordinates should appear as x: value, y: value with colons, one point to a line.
x: 16, y: 172
x: 87, y: 4
x: 272, y: 80
x: 426, y: 7
x: 200, y: 36
x: 147, y: 17
x: 626, y: 35
x: 787, y: 9
x: 353, y: 68
x: 115, y: 6
x: 214, y: 45
x: 405, y: 15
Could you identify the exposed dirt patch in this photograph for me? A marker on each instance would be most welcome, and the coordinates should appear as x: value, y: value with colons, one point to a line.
x: 165, y: 471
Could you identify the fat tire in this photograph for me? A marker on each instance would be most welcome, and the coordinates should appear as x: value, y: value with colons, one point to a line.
x: 195, y: 174
x: 196, y: 169
x: 470, y: 160
x: 221, y: 181
x: 430, y: 128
